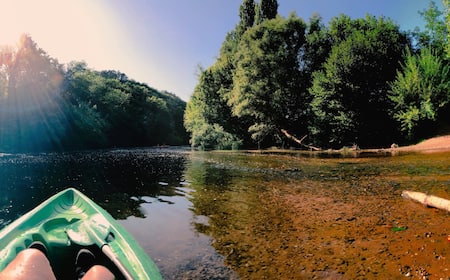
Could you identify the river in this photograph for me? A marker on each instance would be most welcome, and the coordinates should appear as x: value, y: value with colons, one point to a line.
x: 230, y: 215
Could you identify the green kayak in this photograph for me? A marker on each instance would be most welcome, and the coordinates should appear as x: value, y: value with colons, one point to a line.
x: 68, y: 222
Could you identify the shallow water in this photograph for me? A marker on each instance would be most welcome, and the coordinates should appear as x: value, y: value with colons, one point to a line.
x: 254, y: 216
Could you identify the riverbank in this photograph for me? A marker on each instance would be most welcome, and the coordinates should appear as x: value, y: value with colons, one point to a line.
x: 341, y: 217
x: 431, y: 145
x: 437, y: 144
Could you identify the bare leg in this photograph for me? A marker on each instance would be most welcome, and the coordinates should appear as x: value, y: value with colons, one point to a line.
x: 98, y: 272
x: 30, y: 264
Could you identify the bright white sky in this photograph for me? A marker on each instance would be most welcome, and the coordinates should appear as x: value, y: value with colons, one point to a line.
x: 161, y: 42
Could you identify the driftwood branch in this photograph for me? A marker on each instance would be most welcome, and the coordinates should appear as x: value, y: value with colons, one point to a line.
x: 299, y: 141
x: 428, y: 200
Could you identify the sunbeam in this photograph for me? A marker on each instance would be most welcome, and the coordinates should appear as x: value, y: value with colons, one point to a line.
x: 31, y: 117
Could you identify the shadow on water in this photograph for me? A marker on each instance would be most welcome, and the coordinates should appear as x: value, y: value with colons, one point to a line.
x: 111, y: 178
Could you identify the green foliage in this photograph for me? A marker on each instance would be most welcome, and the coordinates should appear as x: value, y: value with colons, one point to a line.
x: 349, y: 97
x: 259, y: 131
x: 420, y: 91
x: 317, y: 47
x: 88, y: 126
x: 266, y: 10
x: 267, y: 76
x: 435, y: 35
x: 332, y: 121
x: 198, y: 120
x: 44, y: 107
x: 247, y: 14
x: 207, y: 111
x: 193, y: 117
x: 208, y: 137
x: 331, y: 83
x: 127, y: 113
x: 447, y: 23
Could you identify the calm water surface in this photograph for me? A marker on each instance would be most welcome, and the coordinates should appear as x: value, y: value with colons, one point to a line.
x: 180, y: 205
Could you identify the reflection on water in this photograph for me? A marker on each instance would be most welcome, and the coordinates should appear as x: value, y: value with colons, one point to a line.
x: 216, y: 215
x: 294, y: 217
x: 110, y: 177
x: 145, y: 188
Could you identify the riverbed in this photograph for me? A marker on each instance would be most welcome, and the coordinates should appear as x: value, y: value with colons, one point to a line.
x: 240, y: 215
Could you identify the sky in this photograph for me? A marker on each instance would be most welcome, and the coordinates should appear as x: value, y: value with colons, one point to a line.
x: 162, y: 42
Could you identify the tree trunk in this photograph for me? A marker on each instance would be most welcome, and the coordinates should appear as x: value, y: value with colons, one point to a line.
x: 428, y: 200
x: 299, y: 141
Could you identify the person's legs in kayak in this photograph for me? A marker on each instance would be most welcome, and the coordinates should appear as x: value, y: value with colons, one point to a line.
x: 32, y: 264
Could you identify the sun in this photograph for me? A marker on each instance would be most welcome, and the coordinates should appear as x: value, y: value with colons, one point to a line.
x: 30, y: 17
x: 66, y: 30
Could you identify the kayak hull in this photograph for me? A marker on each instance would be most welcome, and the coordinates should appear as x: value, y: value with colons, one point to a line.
x: 69, y: 221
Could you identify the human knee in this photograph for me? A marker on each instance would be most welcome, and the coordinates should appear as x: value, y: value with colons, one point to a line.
x: 98, y: 272
x: 31, y: 253
x: 30, y: 258
x: 28, y: 264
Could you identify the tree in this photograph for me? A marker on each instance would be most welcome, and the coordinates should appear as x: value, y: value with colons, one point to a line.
x: 435, y: 35
x: 107, y: 109
x: 447, y: 21
x: 247, y: 15
x: 32, y: 116
x: 208, y: 137
x: 331, y: 83
x: 317, y: 47
x: 193, y: 116
x: 6, y: 62
x: 350, y: 96
x: 44, y: 107
x: 207, y: 113
x: 83, y: 98
x: 420, y: 92
x: 208, y: 110
x: 266, y: 10
x: 265, y: 85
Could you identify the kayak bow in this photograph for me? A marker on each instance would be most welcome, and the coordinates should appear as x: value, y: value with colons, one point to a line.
x: 69, y: 221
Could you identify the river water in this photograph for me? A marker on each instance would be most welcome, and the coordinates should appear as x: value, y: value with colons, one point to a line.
x: 211, y: 215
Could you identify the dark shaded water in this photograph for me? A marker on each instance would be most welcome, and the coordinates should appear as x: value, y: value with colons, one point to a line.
x: 191, y: 210
x: 146, y: 189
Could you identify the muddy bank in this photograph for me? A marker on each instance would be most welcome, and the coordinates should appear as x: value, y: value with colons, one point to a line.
x: 339, y: 219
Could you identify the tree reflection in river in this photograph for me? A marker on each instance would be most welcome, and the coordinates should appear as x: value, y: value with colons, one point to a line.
x: 111, y: 178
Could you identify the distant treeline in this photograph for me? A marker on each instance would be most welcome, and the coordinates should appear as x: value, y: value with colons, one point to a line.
x: 48, y: 106
x: 354, y: 81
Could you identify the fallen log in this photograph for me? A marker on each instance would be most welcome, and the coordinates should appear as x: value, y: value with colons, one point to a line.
x: 298, y: 141
x: 428, y: 200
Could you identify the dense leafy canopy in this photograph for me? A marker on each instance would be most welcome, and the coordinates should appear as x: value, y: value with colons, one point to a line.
x: 247, y: 13
x: 207, y: 113
x: 447, y: 22
x: 46, y: 107
x: 421, y: 92
x: 435, y: 34
x: 360, y: 81
x: 349, y: 100
x: 267, y: 78
x: 267, y: 9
